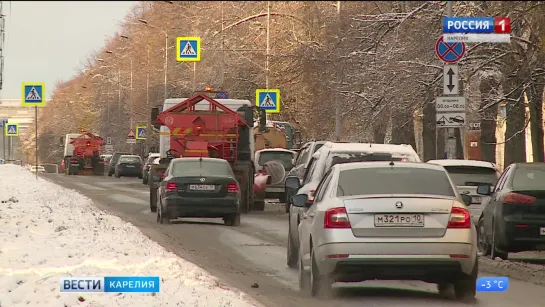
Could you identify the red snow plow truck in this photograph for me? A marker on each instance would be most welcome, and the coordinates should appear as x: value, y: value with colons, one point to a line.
x: 201, y: 126
x: 84, y: 158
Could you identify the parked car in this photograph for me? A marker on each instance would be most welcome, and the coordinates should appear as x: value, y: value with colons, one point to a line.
x: 147, y: 166
x: 302, y: 159
x: 370, y: 220
x: 199, y: 187
x: 514, y: 218
x: 327, y: 156
x: 467, y: 175
x: 129, y: 166
x: 37, y: 169
x: 276, y: 188
x: 113, y: 162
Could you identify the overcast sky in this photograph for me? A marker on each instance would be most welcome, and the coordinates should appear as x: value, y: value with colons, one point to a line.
x: 47, y: 41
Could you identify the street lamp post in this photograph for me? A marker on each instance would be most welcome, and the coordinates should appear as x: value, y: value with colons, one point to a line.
x: 142, y: 21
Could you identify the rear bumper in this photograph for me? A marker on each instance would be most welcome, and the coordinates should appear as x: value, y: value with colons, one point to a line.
x: 201, y: 207
x: 130, y: 172
x: 519, y: 234
x: 419, y: 261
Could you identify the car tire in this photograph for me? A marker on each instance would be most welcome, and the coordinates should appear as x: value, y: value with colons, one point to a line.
x: 465, y: 288
x: 282, y: 198
x: 304, y: 277
x: 232, y: 220
x: 494, y: 251
x: 140, y: 177
x: 259, y: 205
x: 292, y: 253
x: 320, y: 285
x: 162, y: 217
x: 153, y: 200
x: 482, y: 242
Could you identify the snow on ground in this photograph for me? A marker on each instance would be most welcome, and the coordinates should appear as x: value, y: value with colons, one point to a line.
x: 50, y: 232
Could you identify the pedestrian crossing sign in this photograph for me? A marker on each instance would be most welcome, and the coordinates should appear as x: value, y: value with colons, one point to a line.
x: 11, y: 129
x: 140, y: 132
x: 268, y: 100
x: 188, y: 49
x: 33, y: 94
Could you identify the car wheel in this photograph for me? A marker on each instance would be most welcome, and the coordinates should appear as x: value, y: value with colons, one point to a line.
x: 482, y: 244
x: 162, y: 218
x: 292, y: 252
x: 282, y: 198
x: 465, y: 288
x: 232, y: 220
x: 320, y: 285
x: 494, y: 252
x: 140, y: 177
x: 304, y: 277
x: 153, y: 200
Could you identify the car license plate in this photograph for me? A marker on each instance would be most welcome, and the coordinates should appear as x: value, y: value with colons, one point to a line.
x: 476, y: 199
x: 202, y: 187
x: 542, y: 231
x: 399, y: 220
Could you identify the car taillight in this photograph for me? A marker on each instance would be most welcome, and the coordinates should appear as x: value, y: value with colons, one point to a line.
x: 336, y: 218
x: 74, y: 161
x: 459, y: 218
x: 171, y: 186
x: 232, y: 187
x: 515, y: 198
x: 162, y: 176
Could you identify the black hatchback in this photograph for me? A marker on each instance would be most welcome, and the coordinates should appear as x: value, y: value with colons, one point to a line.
x: 201, y: 188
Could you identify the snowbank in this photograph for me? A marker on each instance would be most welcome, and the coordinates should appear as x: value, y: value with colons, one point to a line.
x: 48, y: 231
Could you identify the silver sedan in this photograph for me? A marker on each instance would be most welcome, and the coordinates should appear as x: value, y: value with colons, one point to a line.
x: 389, y: 221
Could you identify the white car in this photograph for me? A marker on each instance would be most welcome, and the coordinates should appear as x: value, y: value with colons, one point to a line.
x: 467, y: 175
x: 37, y: 169
x: 387, y: 221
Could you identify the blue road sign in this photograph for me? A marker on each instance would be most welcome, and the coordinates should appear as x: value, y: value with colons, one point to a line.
x: 3, y: 121
x: 268, y: 100
x: 140, y: 132
x: 222, y: 95
x: 33, y: 94
x: 188, y: 49
x: 12, y: 129
x: 449, y: 52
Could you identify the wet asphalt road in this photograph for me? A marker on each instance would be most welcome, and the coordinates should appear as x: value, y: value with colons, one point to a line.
x: 255, y: 252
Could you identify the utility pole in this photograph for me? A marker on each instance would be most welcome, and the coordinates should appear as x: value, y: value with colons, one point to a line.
x: 450, y: 135
x: 222, y: 50
x: 268, y: 44
x: 337, y: 102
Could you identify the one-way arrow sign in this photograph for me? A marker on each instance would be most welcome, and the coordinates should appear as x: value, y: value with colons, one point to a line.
x: 450, y: 80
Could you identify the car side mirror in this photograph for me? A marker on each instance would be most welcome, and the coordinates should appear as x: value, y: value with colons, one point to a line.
x: 484, y: 189
x: 292, y: 182
x: 467, y: 199
x: 299, y: 200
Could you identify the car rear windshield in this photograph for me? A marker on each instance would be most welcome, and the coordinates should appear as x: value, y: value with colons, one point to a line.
x: 348, y: 157
x: 394, y: 180
x: 130, y: 160
x: 472, y: 175
x: 529, y: 177
x: 284, y: 157
x: 204, y: 168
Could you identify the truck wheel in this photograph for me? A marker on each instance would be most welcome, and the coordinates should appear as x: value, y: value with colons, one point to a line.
x: 153, y: 200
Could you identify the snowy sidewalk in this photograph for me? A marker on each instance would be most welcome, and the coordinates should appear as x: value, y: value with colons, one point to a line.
x: 50, y: 232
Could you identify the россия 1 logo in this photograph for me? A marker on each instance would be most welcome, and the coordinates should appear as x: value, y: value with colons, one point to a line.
x: 477, y: 29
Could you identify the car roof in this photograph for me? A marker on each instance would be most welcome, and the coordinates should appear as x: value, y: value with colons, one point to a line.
x: 197, y: 159
x: 460, y: 162
x: 276, y: 149
x: 369, y: 147
x: 385, y: 164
